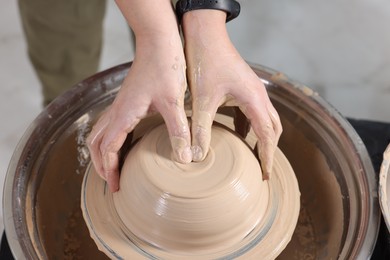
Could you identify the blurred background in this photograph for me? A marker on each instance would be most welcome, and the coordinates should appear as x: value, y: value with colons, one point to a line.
x: 341, y: 49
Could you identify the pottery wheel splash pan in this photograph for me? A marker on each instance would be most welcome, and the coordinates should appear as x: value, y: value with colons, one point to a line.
x: 219, y: 208
x: 339, y: 216
x: 384, y: 187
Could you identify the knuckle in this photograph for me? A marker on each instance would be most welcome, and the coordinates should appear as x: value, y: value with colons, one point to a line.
x: 181, y: 132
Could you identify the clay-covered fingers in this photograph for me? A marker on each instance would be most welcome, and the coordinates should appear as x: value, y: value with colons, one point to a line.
x: 93, y: 142
x: 203, y: 114
x: 267, y: 127
x: 179, y: 133
x: 104, y: 142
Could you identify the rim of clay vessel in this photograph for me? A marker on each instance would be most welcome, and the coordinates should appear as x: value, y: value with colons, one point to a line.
x: 72, y: 113
x: 259, y: 216
x: 384, y: 186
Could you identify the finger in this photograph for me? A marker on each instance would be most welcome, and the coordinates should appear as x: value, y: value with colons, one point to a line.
x: 203, y: 114
x: 93, y: 143
x: 266, y: 150
x: 277, y: 125
x: 179, y: 133
x: 110, y: 165
x: 263, y: 127
x: 112, y: 141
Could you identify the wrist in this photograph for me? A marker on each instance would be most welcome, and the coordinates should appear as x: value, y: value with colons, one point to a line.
x: 204, y: 24
x: 149, y: 16
x: 205, y: 31
x: 161, y: 47
x: 156, y: 39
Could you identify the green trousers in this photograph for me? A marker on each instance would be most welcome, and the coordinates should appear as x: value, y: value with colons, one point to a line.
x: 64, y: 39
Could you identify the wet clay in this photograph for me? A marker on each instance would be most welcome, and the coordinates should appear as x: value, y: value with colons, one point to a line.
x: 194, y: 207
x: 219, y: 207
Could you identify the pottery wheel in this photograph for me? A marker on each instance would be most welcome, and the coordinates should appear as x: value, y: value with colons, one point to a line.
x: 384, y: 186
x: 217, y: 208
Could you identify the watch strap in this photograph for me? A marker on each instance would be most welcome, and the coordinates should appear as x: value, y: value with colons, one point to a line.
x: 231, y: 7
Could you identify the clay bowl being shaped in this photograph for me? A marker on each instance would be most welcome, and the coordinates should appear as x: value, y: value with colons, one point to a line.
x: 339, y: 214
x: 219, y: 208
x: 384, y: 186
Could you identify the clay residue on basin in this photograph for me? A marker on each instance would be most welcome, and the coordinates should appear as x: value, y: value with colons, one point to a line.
x: 319, y: 233
x: 60, y: 226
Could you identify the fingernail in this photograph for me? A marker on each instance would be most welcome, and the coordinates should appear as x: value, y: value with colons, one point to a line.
x: 186, y: 155
x: 197, y: 153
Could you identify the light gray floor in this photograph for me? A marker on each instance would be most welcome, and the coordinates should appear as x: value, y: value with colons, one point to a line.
x: 339, y: 48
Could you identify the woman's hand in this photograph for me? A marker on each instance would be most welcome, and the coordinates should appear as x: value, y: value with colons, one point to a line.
x: 156, y: 82
x: 219, y: 76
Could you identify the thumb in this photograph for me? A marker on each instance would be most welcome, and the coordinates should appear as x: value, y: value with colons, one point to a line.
x: 202, y: 120
x: 176, y: 120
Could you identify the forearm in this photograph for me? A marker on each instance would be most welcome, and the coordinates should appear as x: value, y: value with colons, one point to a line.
x: 150, y: 19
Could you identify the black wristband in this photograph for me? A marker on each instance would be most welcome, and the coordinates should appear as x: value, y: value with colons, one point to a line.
x: 231, y: 7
